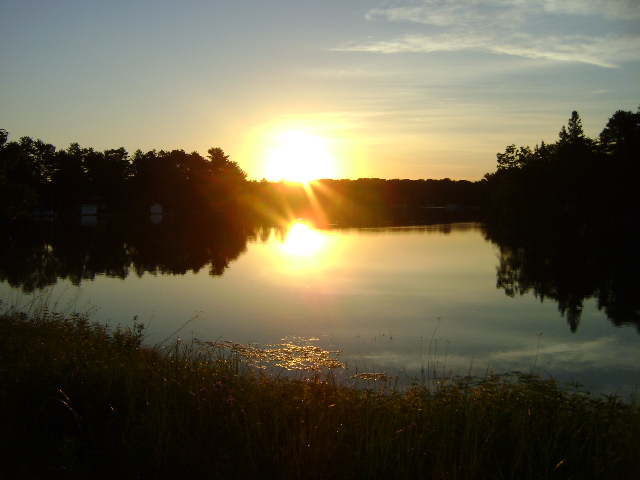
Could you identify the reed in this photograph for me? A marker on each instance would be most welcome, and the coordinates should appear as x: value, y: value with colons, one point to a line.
x: 81, y: 400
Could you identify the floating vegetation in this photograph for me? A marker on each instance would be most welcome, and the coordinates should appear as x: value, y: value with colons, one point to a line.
x: 294, y: 353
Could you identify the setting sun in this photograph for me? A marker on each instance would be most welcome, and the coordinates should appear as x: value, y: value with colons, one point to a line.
x: 300, y: 157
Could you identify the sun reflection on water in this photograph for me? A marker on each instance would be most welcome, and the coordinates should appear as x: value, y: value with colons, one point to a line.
x: 303, y: 240
x: 307, y: 257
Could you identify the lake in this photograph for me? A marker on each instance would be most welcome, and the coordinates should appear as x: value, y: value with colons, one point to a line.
x: 457, y: 297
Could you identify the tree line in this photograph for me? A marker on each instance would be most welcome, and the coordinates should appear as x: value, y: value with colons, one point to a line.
x: 574, y: 177
x: 34, y: 174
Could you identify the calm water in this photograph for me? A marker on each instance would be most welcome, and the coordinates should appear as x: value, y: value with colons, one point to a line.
x: 392, y: 300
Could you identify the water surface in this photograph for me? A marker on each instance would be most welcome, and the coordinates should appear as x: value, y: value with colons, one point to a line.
x: 398, y: 300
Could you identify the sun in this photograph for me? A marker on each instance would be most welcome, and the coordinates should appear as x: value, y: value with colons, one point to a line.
x: 299, y: 156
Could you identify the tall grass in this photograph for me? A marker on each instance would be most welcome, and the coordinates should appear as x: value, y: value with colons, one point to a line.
x: 80, y: 400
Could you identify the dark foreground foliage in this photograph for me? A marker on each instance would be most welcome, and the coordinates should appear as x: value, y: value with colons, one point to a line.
x: 79, y: 400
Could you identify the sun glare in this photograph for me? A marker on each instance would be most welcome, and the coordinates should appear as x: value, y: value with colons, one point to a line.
x: 303, y: 240
x: 298, y: 156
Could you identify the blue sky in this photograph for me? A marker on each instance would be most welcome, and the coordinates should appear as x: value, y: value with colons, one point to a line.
x: 407, y: 89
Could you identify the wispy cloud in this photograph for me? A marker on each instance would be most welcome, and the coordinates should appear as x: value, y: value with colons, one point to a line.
x: 609, y: 9
x: 455, y: 12
x: 581, y: 31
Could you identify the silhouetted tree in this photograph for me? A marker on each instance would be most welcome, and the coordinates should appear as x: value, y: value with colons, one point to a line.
x: 108, y: 174
x: 573, y: 134
x: 220, y: 165
x: 620, y: 139
x: 620, y: 165
x: 18, y: 184
x: 69, y: 182
x: 572, y: 179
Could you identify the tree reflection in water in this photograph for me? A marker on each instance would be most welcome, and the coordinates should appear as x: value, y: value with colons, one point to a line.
x: 554, y: 263
x: 36, y: 256
x: 569, y: 268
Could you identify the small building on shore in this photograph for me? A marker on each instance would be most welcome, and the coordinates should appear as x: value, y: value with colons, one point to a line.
x: 155, y: 209
x: 155, y: 213
x: 88, y: 209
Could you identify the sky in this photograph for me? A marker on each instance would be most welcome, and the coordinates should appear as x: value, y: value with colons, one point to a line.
x: 336, y: 89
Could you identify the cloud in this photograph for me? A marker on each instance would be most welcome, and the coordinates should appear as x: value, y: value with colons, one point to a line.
x: 514, y: 27
x: 456, y: 12
x: 601, y: 51
x: 609, y: 9
x: 441, y: 13
x: 605, y: 52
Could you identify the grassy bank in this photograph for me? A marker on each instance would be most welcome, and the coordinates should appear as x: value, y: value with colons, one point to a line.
x: 78, y: 400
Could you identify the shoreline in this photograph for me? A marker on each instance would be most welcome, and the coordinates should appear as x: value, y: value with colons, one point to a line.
x: 83, y: 394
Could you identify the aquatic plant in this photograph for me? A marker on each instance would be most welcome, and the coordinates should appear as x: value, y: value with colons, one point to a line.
x: 81, y: 400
